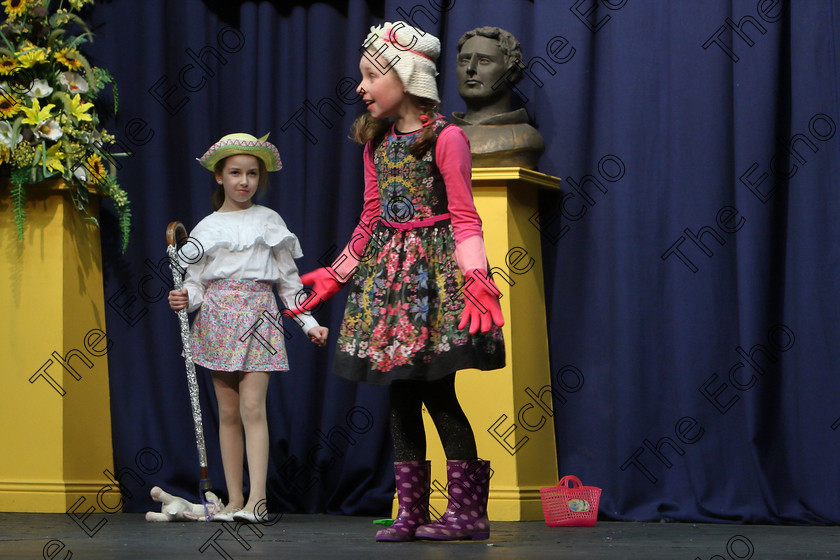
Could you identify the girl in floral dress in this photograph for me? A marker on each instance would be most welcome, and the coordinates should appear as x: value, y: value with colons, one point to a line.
x: 417, y: 268
x: 245, y: 249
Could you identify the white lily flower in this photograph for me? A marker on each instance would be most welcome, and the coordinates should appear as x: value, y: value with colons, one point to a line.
x: 39, y: 89
x: 79, y: 173
x: 73, y: 82
x: 49, y: 129
x: 6, y: 134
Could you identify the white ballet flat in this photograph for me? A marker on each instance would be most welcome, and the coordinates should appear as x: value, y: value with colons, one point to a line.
x: 225, y: 516
x: 249, y: 516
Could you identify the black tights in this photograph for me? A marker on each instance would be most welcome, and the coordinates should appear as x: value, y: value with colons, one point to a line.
x: 407, y: 399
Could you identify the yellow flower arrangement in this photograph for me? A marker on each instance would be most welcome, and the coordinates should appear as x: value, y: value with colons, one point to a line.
x: 54, y: 155
x: 79, y: 110
x: 35, y: 114
x: 30, y: 55
x: 69, y: 58
x: 8, y: 64
x: 15, y: 8
x: 8, y: 106
x: 95, y: 169
x: 49, y: 126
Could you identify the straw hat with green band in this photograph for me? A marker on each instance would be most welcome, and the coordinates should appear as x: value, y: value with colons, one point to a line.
x: 242, y: 143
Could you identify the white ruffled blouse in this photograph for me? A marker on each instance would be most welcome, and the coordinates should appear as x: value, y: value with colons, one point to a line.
x: 250, y: 244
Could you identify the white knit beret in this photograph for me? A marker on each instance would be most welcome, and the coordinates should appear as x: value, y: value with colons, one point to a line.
x: 408, y: 51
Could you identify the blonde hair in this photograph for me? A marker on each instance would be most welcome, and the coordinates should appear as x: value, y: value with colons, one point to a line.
x: 218, y: 198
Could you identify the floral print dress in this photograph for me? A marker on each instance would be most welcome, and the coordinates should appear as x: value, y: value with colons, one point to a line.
x: 406, y: 298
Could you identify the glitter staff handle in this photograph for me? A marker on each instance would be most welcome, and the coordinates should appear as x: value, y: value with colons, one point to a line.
x: 176, y: 233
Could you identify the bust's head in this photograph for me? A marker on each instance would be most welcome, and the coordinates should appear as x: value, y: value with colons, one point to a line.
x: 486, y: 55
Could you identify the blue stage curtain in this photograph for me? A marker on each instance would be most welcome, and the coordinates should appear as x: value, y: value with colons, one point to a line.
x: 691, y: 256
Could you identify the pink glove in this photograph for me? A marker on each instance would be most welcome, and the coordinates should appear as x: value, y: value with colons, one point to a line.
x: 481, y: 302
x: 325, y: 286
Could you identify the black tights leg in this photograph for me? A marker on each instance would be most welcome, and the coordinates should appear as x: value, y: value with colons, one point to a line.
x: 407, y: 399
x: 407, y: 430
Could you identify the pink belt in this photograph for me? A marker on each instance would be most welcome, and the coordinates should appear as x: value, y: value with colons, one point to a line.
x: 414, y: 224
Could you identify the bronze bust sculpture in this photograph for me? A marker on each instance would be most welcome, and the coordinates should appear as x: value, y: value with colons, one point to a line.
x: 498, y: 136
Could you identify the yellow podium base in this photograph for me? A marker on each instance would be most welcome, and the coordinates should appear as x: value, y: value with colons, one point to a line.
x: 510, y: 409
x: 55, y: 418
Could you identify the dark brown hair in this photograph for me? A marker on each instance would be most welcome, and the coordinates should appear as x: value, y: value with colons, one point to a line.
x: 367, y: 128
x: 218, y: 198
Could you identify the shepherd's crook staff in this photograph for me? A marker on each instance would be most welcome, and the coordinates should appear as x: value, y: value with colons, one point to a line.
x: 176, y: 233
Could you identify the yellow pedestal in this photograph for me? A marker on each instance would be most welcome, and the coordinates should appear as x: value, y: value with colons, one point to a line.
x: 55, y: 423
x: 510, y: 409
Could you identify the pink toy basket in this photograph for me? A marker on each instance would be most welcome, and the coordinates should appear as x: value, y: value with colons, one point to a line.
x: 568, y: 506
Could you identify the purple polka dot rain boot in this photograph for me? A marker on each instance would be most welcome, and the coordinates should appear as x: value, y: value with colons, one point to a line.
x: 413, y: 495
x: 466, y: 515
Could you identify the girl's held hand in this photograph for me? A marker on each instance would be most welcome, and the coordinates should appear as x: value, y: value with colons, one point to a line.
x: 318, y: 335
x: 178, y: 299
x: 324, y: 286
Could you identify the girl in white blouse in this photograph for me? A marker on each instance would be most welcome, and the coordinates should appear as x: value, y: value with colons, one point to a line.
x: 243, y: 249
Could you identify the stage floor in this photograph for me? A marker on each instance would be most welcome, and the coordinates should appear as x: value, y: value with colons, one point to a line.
x: 129, y: 537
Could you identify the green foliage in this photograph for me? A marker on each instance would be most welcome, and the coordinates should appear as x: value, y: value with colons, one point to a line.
x: 125, y: 225
x: 19, y: 208
x: 61, y: 133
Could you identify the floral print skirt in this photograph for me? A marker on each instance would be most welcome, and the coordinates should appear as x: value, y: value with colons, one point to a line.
x: 403, y: 310
x: 237, y: 328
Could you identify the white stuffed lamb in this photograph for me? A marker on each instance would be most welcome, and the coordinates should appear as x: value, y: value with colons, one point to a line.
x: 174, y: 508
